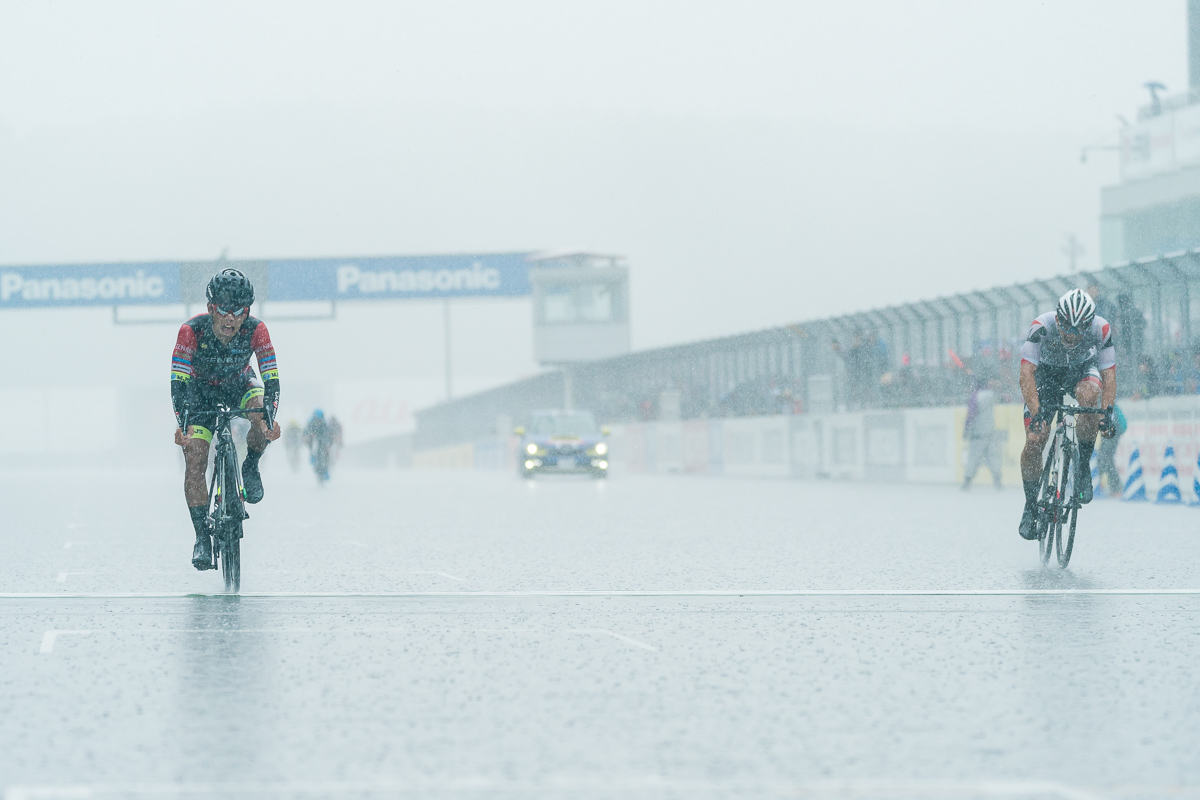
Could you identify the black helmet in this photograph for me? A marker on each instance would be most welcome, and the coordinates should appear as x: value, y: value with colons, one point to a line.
x: 230, y: 287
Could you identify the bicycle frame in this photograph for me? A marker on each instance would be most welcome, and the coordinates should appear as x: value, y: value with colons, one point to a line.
x: 226, y: 492
x: 1058, y: 502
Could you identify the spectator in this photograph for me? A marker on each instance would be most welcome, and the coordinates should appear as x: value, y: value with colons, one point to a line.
x: 980, y: 432
x: 1178, y: 370
x: 1147, y: 382
x: 858, y: 370
x: 839, y: 375
x: 1129, y: 330
x: 1104, y: 306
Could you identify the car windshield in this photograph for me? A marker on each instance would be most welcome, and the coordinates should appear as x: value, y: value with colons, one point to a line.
x: 576, y: 423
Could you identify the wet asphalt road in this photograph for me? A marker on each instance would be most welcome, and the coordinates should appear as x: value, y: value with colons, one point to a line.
x: 422, y: 635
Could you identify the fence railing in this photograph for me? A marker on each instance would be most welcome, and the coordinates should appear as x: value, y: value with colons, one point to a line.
x: 915, y: 354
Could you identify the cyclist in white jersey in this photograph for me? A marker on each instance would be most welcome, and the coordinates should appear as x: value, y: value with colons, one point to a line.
x: 1068, y: 351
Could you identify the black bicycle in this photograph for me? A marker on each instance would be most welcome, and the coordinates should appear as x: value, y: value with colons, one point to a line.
x: 1058, y: 502
x: 226, y: 493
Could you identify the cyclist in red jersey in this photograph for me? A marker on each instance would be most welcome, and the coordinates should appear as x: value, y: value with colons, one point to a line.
x: 210, y: 365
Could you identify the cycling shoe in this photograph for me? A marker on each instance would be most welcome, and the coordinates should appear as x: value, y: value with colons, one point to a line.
x: 252, y: 481
x: 202, y: 553
x: 1028, y: 529
x: 1085, y: 489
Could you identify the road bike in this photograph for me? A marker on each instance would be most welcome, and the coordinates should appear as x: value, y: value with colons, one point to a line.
x: 1058, y: 502
x: 226, y: 493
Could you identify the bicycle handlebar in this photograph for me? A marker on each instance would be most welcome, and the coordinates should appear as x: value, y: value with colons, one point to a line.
x: 188, y: 411
x: 1080, y: 409
x: 1105, y: 423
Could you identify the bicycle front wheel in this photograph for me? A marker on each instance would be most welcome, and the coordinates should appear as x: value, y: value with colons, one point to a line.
x: 1047, y: 506
x: 231, y: 557
x: 1067, y: 512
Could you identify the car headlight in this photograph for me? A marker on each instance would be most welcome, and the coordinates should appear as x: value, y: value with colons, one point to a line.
x: 601, y: 449
x: 603, y: 465
x: 529, y: 465
x: 531, y: 448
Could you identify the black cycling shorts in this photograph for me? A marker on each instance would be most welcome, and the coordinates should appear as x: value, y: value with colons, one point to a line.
x: 1054, y: 382
x: 236, y: 393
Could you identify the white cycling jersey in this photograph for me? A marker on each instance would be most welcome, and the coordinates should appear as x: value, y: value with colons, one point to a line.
x: 1045, y: 345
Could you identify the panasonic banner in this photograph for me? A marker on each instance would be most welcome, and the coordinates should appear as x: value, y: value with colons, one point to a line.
x: 324, y: 279
x: 153, y: 283
x: 401, y: 277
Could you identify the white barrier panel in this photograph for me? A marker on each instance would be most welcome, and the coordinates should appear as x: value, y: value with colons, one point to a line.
x: 668, y: 446
x: 1155, y: 423
x: 916, y: 445
x: 932, y: 439
x: 44, y: 421
x: 756, y: 447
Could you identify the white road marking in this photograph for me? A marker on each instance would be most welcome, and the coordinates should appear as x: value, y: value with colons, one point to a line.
x: 49, y: 638
x: 561, y: 784
x: 443, y: 574
x: 616, y: 635
x: 62, y: 576
x: 624, y: 593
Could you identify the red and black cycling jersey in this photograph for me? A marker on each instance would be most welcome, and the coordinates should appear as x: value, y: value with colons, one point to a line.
x: 199, y: 355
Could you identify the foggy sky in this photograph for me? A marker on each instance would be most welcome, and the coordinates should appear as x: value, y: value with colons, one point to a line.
x: 759, y: 163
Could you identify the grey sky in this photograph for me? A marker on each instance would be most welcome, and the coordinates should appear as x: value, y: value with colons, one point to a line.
x: 758, y: 162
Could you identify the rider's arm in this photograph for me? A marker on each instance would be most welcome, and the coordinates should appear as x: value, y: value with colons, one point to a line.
x: 1106, y: 360
x: 1031, y: 355
x: 1108, y: 387
x: 1029, y: 387
x: 181, y: 367
x: 267, y: 366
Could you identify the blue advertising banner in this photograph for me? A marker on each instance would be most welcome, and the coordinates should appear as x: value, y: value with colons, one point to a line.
x: 153, y: 283
x: 382, y: 278
x: 401, y: 277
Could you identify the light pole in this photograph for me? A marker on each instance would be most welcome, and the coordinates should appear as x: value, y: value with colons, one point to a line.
x: 446, y: 330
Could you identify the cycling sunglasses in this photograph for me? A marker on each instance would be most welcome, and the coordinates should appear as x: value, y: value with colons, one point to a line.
x: 1078, y: 330
x: 237, y: 311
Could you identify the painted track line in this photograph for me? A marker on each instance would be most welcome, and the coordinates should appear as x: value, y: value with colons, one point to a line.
x: 51, y: 637
x: 615, y: 635
x: 622, y: 593
x: 558, y: 786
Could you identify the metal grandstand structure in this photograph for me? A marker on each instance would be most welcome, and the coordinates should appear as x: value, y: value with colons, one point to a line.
x: 921, y: 353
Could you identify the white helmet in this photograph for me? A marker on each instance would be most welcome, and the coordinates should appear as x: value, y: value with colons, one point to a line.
x: 1076, y: 310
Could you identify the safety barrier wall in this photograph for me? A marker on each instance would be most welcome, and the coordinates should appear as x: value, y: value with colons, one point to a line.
x: 921, y: 445
x: 905, y: 356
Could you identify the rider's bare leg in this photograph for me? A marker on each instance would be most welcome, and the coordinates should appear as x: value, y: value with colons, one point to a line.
x: 256, y: 439
x: 256, y: 443
x: 195, y: 491
x: 1031, y: 456
x: 1087, y: 392
x: 195, y: 486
